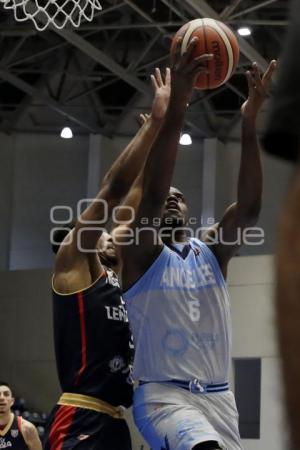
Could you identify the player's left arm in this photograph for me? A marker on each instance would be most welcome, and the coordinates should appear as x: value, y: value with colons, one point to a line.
x: 31, y: 436
x: 244, y: 213
x: 127, y: 167
x: 161, y: 85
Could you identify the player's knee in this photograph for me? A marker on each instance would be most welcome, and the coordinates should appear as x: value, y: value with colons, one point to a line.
x: 208, y: 445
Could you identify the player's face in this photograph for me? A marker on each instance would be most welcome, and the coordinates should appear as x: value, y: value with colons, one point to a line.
x: 6, y: 399
x: 107, y: 249
x: 175, y: 211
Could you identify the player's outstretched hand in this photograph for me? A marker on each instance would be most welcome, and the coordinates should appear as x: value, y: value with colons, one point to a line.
x: 162, y: 91
x: 258, y: 87
x: 185, y: 69
x: 144, y: 118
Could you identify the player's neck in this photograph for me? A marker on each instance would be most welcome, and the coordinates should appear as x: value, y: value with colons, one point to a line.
x: 5, y: 418
x: 116, y: 268
x: 179, y: 237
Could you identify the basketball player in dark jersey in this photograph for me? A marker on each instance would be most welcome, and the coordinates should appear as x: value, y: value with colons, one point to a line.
x: 91, y: 331
x: 16, y: 433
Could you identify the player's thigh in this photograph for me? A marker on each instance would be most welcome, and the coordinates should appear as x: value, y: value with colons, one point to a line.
x: 176, y: 427
x: 224, y: 418
x: 113, y: 435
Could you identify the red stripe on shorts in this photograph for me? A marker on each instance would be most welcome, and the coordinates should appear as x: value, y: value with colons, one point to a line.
x: 60, y: 426
x: 80, y: 300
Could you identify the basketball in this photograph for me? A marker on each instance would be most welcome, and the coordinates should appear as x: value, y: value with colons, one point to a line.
x: 214, y: 37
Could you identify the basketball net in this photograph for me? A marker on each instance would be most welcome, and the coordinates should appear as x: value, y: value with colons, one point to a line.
x: 58, y: 13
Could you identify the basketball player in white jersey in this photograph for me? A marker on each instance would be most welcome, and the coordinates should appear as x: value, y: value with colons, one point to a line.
x: 16, y: 433
x: 175, y: 290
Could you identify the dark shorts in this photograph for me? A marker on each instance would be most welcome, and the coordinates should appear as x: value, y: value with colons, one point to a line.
x: 70, y: 427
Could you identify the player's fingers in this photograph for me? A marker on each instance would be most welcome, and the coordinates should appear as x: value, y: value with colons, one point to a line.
x: 158, y: 77
x: 154, y: 82
x: 256, y: 75
x: 257, y: 81
x: 190, y: 48
x: 168, y: 76
x: 205, y: 57
x: 141, y: 120
x: 199, y: 64
x: 269, y: 72
x: 177, y: 52
x: 250, y: 82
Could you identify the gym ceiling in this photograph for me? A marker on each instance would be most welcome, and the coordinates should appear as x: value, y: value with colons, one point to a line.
x: 96, y: 78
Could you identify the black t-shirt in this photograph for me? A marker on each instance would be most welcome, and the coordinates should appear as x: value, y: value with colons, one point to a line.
x: 93, y: 342
x: 13, y: 438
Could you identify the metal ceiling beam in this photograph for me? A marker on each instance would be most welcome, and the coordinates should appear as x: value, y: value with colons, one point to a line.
x: 117, y: 26
x: 73, y: 76
x: 263, y: 22
x: 184, y: 19
x: 91, y: 66
x: 229, y: 9
x: 103, y: 59
x: 224, y: 132
x: 114, y: 80
x: 176, y: 11
x: 143, y: 14
x: 202, y: 7
x: 133, y: 26
x: 163, y: 31
x: 19, y: 111
x: 13, y: 51
x: 53, y: 104
x: 94, y: 100
x: 236, y: 90
x: 252, y: 8
x: 23, y: 29
x: 93, y: 31
x: 135, y: 63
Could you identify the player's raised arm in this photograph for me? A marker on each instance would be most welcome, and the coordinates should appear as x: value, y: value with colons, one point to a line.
x: 162, y: 88
x: 117, y: 181
x: 245, y: 212
x: 127, y: 167
x: 161, y: 161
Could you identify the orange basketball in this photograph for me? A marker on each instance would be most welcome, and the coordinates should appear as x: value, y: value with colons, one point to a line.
x: 214, y: 37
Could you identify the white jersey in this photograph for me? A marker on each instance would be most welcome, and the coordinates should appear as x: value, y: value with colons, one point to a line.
x: 179, y: 314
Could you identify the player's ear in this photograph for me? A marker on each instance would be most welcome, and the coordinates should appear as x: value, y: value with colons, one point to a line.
x: 12, y: 401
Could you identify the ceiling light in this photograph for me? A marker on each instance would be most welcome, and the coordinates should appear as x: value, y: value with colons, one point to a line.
x: 244, y: 31
x: 66, y: 133
x: 185, y: 139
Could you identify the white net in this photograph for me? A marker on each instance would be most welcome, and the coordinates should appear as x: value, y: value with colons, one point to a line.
x: 59, y: 13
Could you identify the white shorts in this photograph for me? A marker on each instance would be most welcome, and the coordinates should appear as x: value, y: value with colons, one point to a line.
x: 172, y: 418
